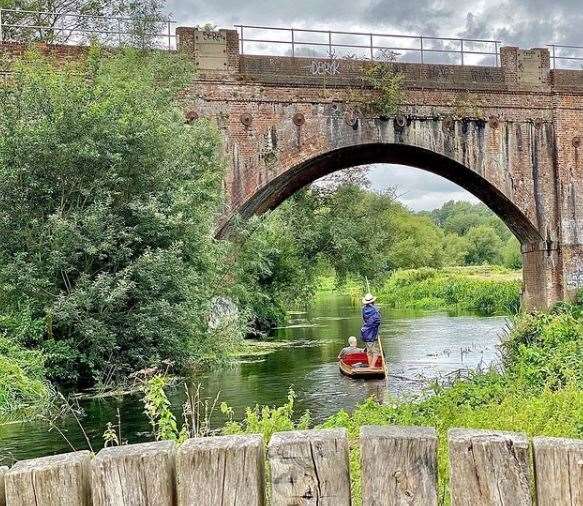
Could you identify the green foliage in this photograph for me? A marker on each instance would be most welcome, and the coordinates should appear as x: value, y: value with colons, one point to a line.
x: 389, y: 84
x: 483, y: 290
x: 484, y: 246
x: 108, y: 200
x: 157, y: 408
x: 266, y: 420
x: 546, y: 350
x: 23, y: 388
x: 511, y: 255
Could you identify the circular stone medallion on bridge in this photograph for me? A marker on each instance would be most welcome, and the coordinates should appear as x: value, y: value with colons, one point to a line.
x: 191, y: 117
x: 299, y: 119
x: 448, y: 124
x: 400, y: 121
x: 246, y: 119
x: 576, y: 142
x: 351, y: 119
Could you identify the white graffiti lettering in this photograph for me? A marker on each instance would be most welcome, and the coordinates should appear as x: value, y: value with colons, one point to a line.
x: 325, y: 68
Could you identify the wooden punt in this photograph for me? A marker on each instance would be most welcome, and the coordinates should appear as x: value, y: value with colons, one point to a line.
x: 352, y: 366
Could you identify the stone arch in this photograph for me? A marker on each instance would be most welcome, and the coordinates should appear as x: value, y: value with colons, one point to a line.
x: 290, y: 180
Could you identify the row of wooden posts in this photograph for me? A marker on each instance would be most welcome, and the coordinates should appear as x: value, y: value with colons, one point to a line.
x: 399, y: 467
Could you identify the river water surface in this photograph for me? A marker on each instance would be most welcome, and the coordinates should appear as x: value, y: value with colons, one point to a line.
x: 419, y: 346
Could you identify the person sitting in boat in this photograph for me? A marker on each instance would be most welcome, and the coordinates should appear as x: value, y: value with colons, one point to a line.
x: 371, y: 317
x: 351, y: 348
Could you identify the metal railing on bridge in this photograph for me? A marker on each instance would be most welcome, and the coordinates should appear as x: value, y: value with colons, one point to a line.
x: 17, y: 25
x: 268, y: 40
x: 566, y: 57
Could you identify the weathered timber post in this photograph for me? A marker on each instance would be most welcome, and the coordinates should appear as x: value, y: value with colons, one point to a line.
x: 60, y: 480
x: 489, y: 468
x: 225, y: 470
x: 309, y: 468
x: 559, y: 471
x: 140, y: 475
x: 3, y: 470
x: 399, y: 466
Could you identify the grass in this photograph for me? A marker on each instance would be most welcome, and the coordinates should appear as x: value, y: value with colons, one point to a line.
x: 487, y: 290
x: 24, y: 392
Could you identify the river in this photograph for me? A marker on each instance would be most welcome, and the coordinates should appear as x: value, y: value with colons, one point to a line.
x: 420, y: 346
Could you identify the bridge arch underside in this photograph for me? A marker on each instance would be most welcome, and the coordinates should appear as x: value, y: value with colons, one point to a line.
x: 542, y: 261
x: 290, y: 181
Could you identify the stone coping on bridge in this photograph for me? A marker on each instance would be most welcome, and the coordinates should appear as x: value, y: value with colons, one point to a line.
x: 399, y: 466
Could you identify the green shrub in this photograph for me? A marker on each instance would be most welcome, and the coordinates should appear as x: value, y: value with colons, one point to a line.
x: 23, y: 388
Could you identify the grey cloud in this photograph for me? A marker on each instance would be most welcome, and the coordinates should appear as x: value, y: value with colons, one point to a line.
x: 416, y: 188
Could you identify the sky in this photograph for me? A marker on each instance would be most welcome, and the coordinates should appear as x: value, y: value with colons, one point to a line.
x: 523, y: 23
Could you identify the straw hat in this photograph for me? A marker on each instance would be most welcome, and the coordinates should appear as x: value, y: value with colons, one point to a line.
x: 369, y: 298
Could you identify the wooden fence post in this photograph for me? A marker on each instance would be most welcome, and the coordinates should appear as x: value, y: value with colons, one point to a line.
x: 3, y: 470
x: 309, y: 468
x: 399, y: 466
x: 489, y: 468
x: 558, y: 466
x: 225, y: 470
x: 60, y: 480
x: 140, y: 475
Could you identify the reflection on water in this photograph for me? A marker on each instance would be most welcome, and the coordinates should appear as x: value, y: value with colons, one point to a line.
x: 418, y: 346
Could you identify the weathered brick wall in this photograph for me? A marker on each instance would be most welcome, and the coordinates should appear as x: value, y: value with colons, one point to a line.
x: 505, y: 134
x: 511, y: 135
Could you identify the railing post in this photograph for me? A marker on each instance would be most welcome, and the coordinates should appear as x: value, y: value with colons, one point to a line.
x: 3, y: 471
x: 399, y: 466
x: 371, y: 47
x: 293, y: 43
x: 496, y: 52
x: 330, y: 43
x: 1, y: 27
x: 242, y: 40
x: 141, y: 474
x: 221, y: 470
x: 559, y: 468
x: 462, y: 49
x: 41, y: 481
x: 309, y: 467
x: 169, y: 36
x: 488, y: 467
x: 554, y: 58
x: 421, y: 46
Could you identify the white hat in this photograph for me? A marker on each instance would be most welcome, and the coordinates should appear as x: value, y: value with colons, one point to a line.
x: 369, y: 298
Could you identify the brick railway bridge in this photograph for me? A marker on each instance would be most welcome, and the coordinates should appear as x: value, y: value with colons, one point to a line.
x: 512, y: 135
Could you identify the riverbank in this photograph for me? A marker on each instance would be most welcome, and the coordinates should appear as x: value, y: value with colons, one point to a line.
x: 538, y: 390
x: 486, y: 290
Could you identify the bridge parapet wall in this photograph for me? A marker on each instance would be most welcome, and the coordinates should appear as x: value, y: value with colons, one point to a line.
x: 399, y: 466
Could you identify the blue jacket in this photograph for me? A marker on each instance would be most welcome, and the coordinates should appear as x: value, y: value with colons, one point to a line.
x: 371, y: 317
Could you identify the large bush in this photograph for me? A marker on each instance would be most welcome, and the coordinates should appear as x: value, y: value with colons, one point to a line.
x: 107, y: 200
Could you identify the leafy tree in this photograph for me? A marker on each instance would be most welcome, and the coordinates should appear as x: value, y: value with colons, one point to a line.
x: 139, y: 21
x: 455, y: 249
x: 511, y: 255
x: 484, y: 246
x: 417, y: 243
x: 107, y: 200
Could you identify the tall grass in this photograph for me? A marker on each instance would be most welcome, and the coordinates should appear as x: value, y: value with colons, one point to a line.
x: 24, y: 390
x: 484, y: 290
